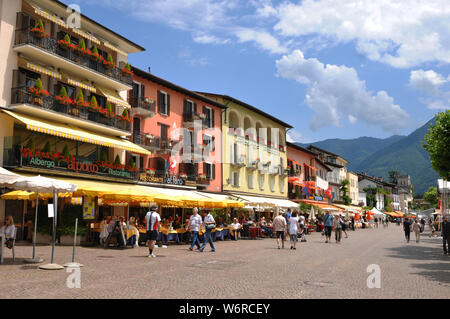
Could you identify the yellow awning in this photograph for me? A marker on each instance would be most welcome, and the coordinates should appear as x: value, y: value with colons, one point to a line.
x: 114, y: 97
x: 24, y: 195
x: 86, y: 35
x: 82, y: 85
x: 48, y: 16
x: 40, y: 69
x: 77, y: 134
x: 112, y: 47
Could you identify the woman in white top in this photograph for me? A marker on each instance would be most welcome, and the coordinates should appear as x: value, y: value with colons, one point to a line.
x: 293, y: 229
x: 236, y: 227
x: 8, y: 230
x: 416, y: 228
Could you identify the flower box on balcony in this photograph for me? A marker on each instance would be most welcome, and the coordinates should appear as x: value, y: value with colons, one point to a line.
x: 39, y: 33
x: 151, y: 171
x: 149, y: 100
x: 183, y: 176
x: 202, y: 116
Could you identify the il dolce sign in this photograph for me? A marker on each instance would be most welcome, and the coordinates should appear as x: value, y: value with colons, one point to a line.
x: 171, y: 180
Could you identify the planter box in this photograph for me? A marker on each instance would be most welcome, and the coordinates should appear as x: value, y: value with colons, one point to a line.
x: 43, y: 239
x: 68, y: 240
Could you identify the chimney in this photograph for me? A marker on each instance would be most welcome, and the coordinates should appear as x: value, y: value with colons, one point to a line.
x: 149, y: 70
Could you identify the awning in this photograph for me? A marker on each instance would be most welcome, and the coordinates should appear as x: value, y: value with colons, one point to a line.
x: 40, y: 69
x: 112, y: 47
x: 86, y: 35
x: 349, y: 208
x: 80, y: 84
x: 224, y: 198
x: 313, y: 168
x: 77, y: 134
x: 114, y: 97
x: 47, y: 15
x: 323, y: 206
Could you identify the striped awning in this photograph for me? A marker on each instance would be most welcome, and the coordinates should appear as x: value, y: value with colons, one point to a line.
x: 48, y: 16
x: 77, y: 134
x: 112, y: 47
x: 114, y: 97
x: 40, y: 69
x: 81, y: 85
x: 86, y: 35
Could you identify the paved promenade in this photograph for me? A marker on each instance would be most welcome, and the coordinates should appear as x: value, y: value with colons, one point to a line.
x: 244, y: 269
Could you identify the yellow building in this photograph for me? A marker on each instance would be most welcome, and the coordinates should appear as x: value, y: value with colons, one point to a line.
x: 353, y: 190
x: 254, y: 151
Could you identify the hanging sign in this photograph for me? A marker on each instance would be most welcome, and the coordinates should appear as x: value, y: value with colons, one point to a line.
x: 51, y: 211
x: 88, y: 208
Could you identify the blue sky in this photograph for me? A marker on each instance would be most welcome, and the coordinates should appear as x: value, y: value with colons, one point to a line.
x: 330, y: 68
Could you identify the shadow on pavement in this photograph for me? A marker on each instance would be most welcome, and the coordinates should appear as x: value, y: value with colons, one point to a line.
x: 437, y: 271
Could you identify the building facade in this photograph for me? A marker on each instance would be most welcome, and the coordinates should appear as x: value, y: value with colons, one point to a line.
x: 254, y: 150
x: 353, y: 188
x: 183, y: 131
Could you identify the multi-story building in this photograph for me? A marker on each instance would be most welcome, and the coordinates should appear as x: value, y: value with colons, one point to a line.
x: 63, y: 95
x: 306, y: 181
x: 405, y: 192
x: 373, y: 189
x: 338, y: 166
x: 181, y: 128
x: 353, y: 189
x: 254, y: 150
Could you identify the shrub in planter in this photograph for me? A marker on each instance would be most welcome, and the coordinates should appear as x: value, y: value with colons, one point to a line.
x: 30, y: 144
x: 104, y: 156
x: 127, y: 69
x: 109, y: 62
x: 117, y: 162
x: 37, y: 90
x: 94, y: 103
x: 39, y: 30
x: 109, y: 109
x: 63, y: 97
x: 80, y: 102
x: 66, y: 152
x: 47, y: 147
x: 65, y: 43
x: 81, y: 48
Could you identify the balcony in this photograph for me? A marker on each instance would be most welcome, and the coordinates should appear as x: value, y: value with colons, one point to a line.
x: 238, y: 161
x: 142, y: 106
x: 47, y: 50
x: 152, y: 143
x: 190, y: 119
x: 85, y: 117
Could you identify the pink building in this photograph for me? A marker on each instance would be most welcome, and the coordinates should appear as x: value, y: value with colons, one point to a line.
x: 181, y: 128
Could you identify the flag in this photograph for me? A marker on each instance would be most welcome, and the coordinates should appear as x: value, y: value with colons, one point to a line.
x: 172, y: 165
x: 329, y: 193
x: 305, y: 190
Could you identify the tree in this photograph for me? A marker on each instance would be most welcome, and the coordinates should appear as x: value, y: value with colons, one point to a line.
x: 431, y: 197
x: 438, y: 144
x: 344, y: 190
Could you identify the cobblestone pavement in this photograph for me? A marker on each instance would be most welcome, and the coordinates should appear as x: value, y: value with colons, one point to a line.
x: 244, y: 269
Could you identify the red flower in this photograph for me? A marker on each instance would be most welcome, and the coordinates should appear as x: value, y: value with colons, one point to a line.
x: 38, y: 92
x: 64, y: 100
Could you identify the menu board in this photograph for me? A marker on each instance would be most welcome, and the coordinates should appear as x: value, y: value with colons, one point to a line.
x: 88, y: 208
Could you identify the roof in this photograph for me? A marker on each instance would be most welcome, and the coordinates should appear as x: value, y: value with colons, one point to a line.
x: 250, y: 107
x: 325, y: 151
x: 175, y: 87
x: 102, y: 26
x: 298, y: 147
x: 374, y: 179
x: 323, y: 164
x: 334, y: 164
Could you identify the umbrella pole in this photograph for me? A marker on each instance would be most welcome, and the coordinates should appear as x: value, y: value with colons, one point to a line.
x: 35, y: 260
x: 73, y: 264
x: 53, y: 266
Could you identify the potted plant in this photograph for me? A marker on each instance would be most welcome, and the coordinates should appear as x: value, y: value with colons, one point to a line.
x: 117, y: 162
x: 183, y: 175
x: 149, y: 100
x: 30, y: 144
x: 95, y: 55
x: 127, y: 70
x: 109, y: 109
x: 151, y: 171
x: 125, y: 116
x: 39, y: 30
x: 202, y: 116
x: 131, y: 164
x: 93, y: 104
x: 81, y: 49
x: 38, y: 92
x: 47, y: 148
x: 65, y: 43
x: 202, y: 176
x: 104, y: 157
x: 109, y: 62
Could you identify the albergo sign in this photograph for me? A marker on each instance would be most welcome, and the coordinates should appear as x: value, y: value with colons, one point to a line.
x: 55, y: 159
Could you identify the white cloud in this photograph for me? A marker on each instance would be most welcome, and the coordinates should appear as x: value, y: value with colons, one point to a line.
x: 336, y: 92
x: 266, y: 11
x: 400, y: 33
x: 293, y: 136
x: 427, y: 81
x: 352, y: 119
x: 262, y: 38
x: 208, y: 39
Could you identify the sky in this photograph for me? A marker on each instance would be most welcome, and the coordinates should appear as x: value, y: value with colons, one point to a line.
x: 329, y: 68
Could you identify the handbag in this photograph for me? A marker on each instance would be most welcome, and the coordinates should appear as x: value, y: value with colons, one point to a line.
x: 210, y: 226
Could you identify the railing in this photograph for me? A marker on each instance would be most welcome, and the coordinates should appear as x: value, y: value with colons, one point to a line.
x: 49, y: 44
x: 139, y: 102
x: 155, y: 143
x: 23, y: 96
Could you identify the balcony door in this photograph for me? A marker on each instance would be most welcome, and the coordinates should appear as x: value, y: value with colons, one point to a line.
x: 136, y: 127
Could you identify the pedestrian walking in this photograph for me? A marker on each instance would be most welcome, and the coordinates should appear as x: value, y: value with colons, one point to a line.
x: 287, y: 216
x: 344, y: 226
x: 430, y: 224
x: 209, y: 224
x: 337, y: 223
x: 328, y: 224
x: 416, y: 227
x: 376, y: 222
x: 407, y: 229
x: 294, y: 227
x: 422, y: 225
x: 279, y: 226
x: 353, y: 223
x: 446, y: 235
x: 194, y: 226
x: 153, y: 220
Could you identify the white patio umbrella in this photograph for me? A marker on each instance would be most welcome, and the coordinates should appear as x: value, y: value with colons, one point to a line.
x: 7, y: 177
x: 40, y: 184
x: 311, y: 214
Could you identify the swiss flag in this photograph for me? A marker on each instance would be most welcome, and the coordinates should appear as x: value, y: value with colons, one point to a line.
x: 329, y: 193
x: 172, y: 165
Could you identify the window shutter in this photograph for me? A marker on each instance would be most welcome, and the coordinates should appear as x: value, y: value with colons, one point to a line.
x: 232, y: 154
x: 250, y: 157
x: 195, y: 108
x: 232, y: 178
x: 213, y: 171
x: 213, y: 141
x: 212, y: 117
x: 238, y: 150
x: 204, y: 110
x: 204, y: 168
x: 142, y: 91
x: 238, y: 177
x: 196, y: 169
x: 159, y: 102
x: 168, y: 104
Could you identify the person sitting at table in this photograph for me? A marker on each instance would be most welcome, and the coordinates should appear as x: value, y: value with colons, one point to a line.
x: 111, y: 223
x: 220, y: 222
x: 236, y: 226
x: 132, y: 233
x: 8, y: 230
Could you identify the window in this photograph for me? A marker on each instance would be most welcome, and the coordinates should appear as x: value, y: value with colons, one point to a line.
x: 208, y: 141
x: 164, y: 135
x: 209, y: 120
x: 272, y: 183
x: 209, y: 170
x: 261, y: 182
x: 282, y: 185
x: 250, y: 181
x: 163, y: 103
x: 235, y: 181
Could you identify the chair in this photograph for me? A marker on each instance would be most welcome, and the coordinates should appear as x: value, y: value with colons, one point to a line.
x: 14, y: 244
x: 245, y: 231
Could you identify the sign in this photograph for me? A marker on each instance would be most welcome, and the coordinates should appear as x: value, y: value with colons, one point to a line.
x: 51, y: 211
x: 88, y: 208
x: 170, y: 180
x: 318, y: 198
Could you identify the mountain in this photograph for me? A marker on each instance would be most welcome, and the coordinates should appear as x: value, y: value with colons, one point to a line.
x: 378, y: 156
x: 408, y: 157
x: 355, y: 150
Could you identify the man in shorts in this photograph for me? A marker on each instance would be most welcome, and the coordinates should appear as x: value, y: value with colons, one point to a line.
x: 153, y: 226
x: 279, y: 226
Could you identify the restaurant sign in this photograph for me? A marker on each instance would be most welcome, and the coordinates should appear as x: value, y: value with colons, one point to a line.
x: 169, y: 179
x: 52, y: 160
